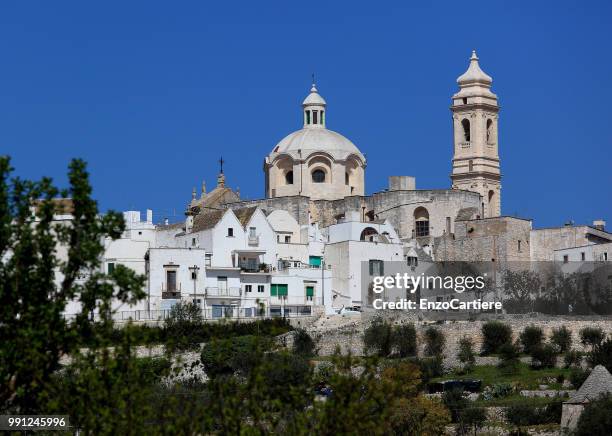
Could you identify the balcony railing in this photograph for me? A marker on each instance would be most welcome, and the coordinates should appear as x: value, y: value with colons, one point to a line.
x: 260, y: 267
x: 253, y: 240
x: 214, y: 291
x: 172, y: 292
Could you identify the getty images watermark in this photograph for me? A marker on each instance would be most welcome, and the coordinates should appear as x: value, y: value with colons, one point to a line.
x: 408, y: 283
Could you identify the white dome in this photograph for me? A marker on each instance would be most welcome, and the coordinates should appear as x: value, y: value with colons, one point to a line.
x: 314, y: 98
x: 312, y: 140
x: 474, y: 74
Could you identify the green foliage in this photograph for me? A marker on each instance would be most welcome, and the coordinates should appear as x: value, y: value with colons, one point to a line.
x: 601, y: 355
x: 526, y: 414
x: 531, y: 338
x: 591, y: 336
x: 303, y: 344
x: 561, y: 338
x: 405, y: 340
x: 572, y: 358
x: 431, y: 367
x: 466, y: 352
x: 578, y: 376
x: 544, y: 356
x: 434, y: 342
x: 494, y: 335
x: 471, y: 419
x: 456, y: 402
x: 509, y: 358
x: 496, y: 391
x: 184, y: 318
x: 378, y: 338
x: 596, y: 418
x: 240, y: 355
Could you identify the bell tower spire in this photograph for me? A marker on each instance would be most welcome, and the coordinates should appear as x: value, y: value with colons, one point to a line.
x: 476, y: 156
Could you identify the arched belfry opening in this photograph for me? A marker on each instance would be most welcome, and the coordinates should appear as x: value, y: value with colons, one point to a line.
x: 465, y: 123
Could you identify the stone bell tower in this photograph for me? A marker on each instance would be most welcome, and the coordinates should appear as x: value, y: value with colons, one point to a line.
x: 476, y: 157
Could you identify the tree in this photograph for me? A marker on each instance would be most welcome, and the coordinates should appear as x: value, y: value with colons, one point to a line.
x: 378, y: 338
x: 561, y: 338
x: 182, y: 327
x: 434, y: 342
x: 509, y: 358
x: 303, y: 344
x: 591, y: 336
x: 596, y: 418
x: 520, y: 287
x: 466, y: 352
x: 36, y: 285
x: 601, y: 355
x: 405, y: 340
x: 494, y: 335
x: 531, y: 338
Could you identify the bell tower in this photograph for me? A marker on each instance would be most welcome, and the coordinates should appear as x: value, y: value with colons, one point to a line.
x: 476, y: 157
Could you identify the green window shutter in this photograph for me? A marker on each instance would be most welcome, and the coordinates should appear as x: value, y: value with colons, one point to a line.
x: 310, y: 291
x: 382, y: 267
x: 314, y: 260
x: 283, y: 290
x: 111, y: 267
x: 273, y: 290
x: 371, y: 266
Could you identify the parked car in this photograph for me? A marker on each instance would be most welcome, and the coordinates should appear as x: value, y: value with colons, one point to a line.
x: 449, y: 385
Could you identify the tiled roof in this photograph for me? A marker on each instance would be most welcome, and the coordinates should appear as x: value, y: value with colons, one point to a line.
x: 244, y: 214
x: 597, y: 383
x: 207, y: 220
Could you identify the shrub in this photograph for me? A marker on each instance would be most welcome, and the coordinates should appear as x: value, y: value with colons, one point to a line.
x: 466, y: 352
x: 572, y: 358
x: 303, y: 344
x: 561, y: 338
x: 531, y: 338
x: 596, y: 418
x: 405, y: 340
x: 509, y: 358
x: 184, y: 320
x: 378, y: 338
x: 456, y: 402
x: 227, y: 356
x: 526, y: 414
x: 591, y: 336
x: 472, y: 419
x: 431, y: 367
x: 578, y: 376
x: 544, y: 356
x: 494, y: 335
x: 601, y: 355
x: 498, y: 390
x: 434, y: 342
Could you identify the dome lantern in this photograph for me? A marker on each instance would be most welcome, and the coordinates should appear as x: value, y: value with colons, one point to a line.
x: 314, y: 109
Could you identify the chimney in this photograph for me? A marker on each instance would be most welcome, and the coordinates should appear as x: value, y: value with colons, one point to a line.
x: 149, y: 216
x: 600, y: 225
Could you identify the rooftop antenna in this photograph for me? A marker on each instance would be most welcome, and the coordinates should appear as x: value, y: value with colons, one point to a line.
x: 313, y: 79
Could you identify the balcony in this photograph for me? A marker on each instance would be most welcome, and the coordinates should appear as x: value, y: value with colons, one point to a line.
x: 230, y: 292
x: 173, y: 292
x: 255, y: 268
x: 253, y: 240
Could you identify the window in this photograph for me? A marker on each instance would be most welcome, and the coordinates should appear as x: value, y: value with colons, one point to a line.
x: 465, y: 123
x: 489, y: 131
x: 309, y: 293
x: 346, y: 178
x: 582, y: 256
x: 314, y: 261
x: 368, y: 234
x: 110, y: 267
x: 287, y: 239
x: 565, y: 258
x: 289, y: 178
x: 412, y: 261
x: 307, y: 117
x: 140, y: 233
x: 222, y: 283
x: 260, y: 288
x: 519, y: 246
x: 193, y: 242
x: 448, y: 225
x: 248, y: 288
x: 421, y: 222
x: 279, y: 290
x: 322, y: 117
x: 207, y: 259
x: 230, y: 231
x: 252, y: 232
x: 464, y: 100
x: 471, y: 166
x: 377, y: 267
x: 315, y: 117
x: 318, y: 176
x: 171, y: 280
x: 605, y: 257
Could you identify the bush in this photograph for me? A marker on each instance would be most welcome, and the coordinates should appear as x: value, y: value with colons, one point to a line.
x: 471, y: 419
x: 185, y: 318
x: 544, y: 356
x: 303, y: 344
x: 526, y: 414
x: 531, y: 338
x: 431, y: 367
x: 378, y: 338
x: 601, y: 355
x: 572, y: 358
x: 227, y: 356
x: 561, y: 338
x: 509, y: 358
x: 596, y: 418
x: 591, y: 336
x: 456, y: 402
x: 434, y: 342
x: 466, y: 352
x: 494, y: 335
x: 578, y: 376
x: 405, y: 340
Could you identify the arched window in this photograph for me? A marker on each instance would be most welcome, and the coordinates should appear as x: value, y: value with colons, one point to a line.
x: 471, y: 166
x: 315, y: 117
x: 318, y: 176
x: 368, y: 234
x: 466, y: 129
x: 346, y: 178
x: 489, y: 131
x: 491, y: 203
x: 421, y: 222
x: 289, y: 177
x: 307, y: 117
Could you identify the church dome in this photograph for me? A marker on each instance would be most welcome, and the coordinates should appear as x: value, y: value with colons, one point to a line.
x: 474, y: 74
x: 310, y: 141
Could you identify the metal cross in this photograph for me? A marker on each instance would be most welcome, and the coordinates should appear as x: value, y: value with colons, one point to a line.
x: 221, y: 161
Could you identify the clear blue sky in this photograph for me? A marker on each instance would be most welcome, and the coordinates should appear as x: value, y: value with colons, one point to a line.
x: 152, y: 93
